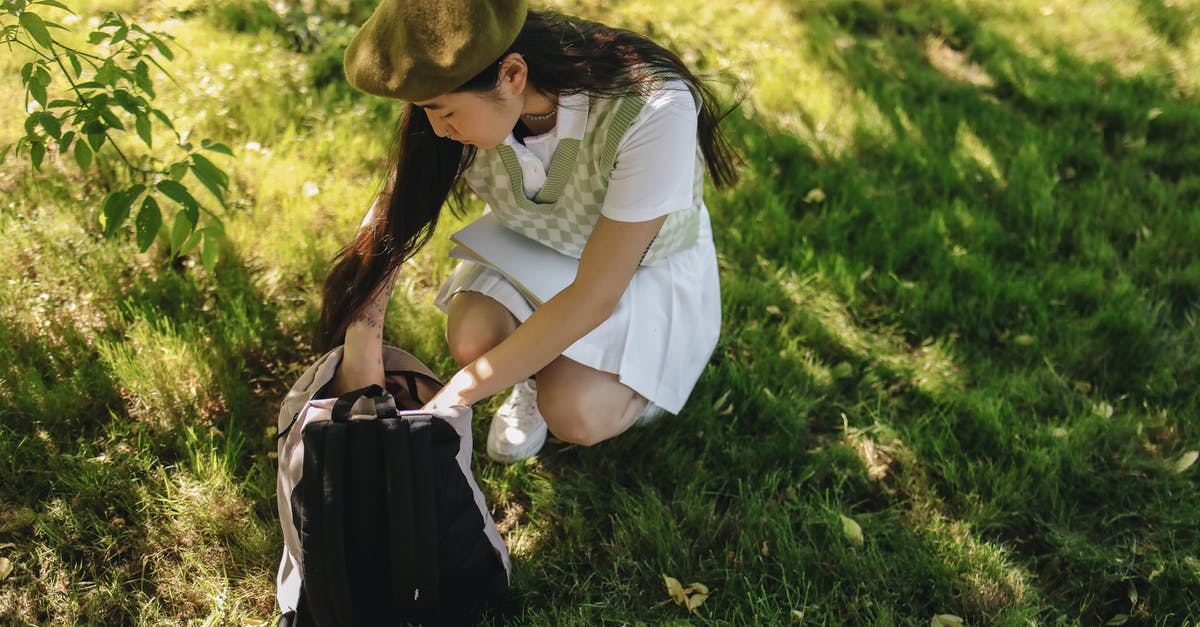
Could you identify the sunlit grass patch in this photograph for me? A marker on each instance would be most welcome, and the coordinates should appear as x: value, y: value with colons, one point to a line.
x: 166, y: 379
x: 959, y: 292
x: 211, y: 555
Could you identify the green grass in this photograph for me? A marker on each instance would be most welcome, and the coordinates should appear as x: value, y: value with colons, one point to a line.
x: 960, y: 294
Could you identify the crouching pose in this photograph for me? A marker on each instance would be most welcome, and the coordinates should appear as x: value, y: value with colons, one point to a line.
x: 590, y: 140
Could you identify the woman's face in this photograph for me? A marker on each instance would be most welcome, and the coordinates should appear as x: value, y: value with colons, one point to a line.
x: 481, y: 119
x: 473, y: 118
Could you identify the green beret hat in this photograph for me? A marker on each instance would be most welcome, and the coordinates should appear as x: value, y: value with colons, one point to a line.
x: 421, y: 49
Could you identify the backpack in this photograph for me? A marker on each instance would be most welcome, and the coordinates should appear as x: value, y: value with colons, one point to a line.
x: 382, y: 520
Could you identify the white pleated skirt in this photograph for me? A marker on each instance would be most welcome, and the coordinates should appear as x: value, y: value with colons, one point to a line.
x: 661, y: 334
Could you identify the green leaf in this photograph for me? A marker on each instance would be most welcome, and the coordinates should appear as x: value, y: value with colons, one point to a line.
x: 38, y: 91
x: 191, y: 241
x: 76, y: 66
x: 149, y: 221
x: 36, y: 28
x: 83, y: 155
x: 178, y: 171
x: 162, y: 47
x: 111, y: 119
x: 217, y: 174
x: 56, y: 4
x: 141, y: 73
x: 96, y: 37
x: 58, y: 104
x: 221, y: 148
x: 116, y: 209
x: 64, y: 144
x: 211, y: 177
x: 91, y: 125
x: 109, y: 73
x: 142, y: 123
x: 119, y: 35
x: 96, y: 140
x: 179, y: 194
x: 180, y: 231
x: 4, y: 152
x: 162, y: 118
x: 37, y: 151
x: 26, y: 73
x: 212, y: 250
x: 51, y: 124
x: 127, y: 101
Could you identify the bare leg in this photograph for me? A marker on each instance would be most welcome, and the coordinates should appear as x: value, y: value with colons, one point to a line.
x: 475, y: 324
x: 583, y: 405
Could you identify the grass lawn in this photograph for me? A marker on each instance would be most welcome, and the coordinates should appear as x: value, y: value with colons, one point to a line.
x: 961, y: 291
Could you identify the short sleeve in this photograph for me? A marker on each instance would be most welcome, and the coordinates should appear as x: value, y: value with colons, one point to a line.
x: 655, y: 166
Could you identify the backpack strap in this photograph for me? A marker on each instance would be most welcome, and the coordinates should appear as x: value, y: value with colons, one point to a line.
x: 400, y: 506
x: 333, y: 510
x: 425, y: 521
x: 410, y: 377
x: 316, y: 589
x: 345, y: 403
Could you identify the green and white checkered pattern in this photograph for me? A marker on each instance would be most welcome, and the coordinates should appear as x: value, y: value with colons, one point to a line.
x: 564, y: 212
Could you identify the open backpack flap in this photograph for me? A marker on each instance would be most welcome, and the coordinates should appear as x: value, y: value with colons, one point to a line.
x: 383, y: 522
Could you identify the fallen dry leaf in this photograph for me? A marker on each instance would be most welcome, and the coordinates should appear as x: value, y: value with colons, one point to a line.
x: 696, y: 587
x: 1186, y: 461
x: 675, y: 590
x: 945, y: 620
x: 695, y: 601
x: 5, y: 568
x: 852, y: 530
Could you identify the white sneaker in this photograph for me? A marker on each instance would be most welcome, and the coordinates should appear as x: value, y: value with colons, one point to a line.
x: 650, y: 415
x: 518, y: 430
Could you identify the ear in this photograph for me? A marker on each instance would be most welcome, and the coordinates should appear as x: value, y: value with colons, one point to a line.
x: 514, y: 74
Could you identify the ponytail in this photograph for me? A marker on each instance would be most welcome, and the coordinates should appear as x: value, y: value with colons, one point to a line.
x: 425, y: 168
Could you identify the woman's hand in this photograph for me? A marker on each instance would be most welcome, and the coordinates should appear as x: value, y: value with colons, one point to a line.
x: 453, y: 394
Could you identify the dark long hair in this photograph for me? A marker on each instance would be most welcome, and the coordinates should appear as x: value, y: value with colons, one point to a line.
x: 564, y: 55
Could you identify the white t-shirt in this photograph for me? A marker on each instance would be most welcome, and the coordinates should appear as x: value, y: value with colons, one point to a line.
x: 655, y: 166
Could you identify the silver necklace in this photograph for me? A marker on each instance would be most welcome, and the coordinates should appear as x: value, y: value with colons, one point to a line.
x: 541, y: 117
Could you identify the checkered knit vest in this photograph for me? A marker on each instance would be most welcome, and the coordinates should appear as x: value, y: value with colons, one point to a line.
x: 563, y: 213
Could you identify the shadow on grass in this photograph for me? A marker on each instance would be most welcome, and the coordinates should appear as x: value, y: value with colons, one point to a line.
x: 131, y: 490
x: 972, y: 341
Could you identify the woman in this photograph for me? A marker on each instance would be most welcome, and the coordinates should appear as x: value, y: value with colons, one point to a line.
x: 590, y: 140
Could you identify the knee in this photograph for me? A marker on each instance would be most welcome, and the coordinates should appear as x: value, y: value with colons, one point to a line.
x: 466, y: 346
x: 570, y: 422
x: 475, y: 325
